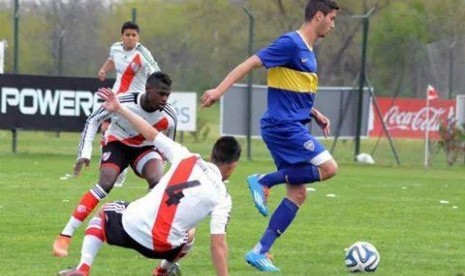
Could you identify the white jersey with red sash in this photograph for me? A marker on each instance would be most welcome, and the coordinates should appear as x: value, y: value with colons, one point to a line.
x: 189, y: 192
x: 121, y: 130
x: 132, y: 67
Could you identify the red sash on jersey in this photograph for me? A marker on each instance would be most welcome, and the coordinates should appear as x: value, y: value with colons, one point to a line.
x: 129, y: 73
x: 166, y: 212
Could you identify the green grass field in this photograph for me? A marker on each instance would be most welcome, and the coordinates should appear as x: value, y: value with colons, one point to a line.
x: 397, y: 208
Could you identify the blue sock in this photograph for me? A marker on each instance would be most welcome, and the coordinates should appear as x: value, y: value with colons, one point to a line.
x: 299, y: 174
x: 303, y: 174
x: 271, y: 179
x: 280, y: 220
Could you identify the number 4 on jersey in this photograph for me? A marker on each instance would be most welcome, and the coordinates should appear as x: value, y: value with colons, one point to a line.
x: 175, y: 192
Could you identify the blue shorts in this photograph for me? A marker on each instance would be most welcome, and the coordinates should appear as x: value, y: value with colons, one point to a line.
x: 291, y: 144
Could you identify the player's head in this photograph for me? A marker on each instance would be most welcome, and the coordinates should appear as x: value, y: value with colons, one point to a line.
x: 157, y: 90
x: 324, y: 6
x: 225, y: 154
x: 129, y: 35
x: 129, y: 25
x: 323, y: 12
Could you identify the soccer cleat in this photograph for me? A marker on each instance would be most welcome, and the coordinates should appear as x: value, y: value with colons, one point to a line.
x: 258, y: 194
x: 260, y: 261
x: 174, y: 270
x: 72, y: 272
x: 60, y: 246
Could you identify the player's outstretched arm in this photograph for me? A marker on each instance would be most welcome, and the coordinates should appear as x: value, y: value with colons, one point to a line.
x: 112, y: 105
x: 219, y: 253
x: 213, y: 95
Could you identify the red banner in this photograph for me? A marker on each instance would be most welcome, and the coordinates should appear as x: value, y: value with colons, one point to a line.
x: 408, y: 118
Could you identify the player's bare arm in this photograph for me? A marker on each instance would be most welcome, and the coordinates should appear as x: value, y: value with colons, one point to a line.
x: 78, y: 166
x: 107, y: 66
x: 322, y: 121
x: 112, y: 105
x: 219, y: 253
x: 213, y: 95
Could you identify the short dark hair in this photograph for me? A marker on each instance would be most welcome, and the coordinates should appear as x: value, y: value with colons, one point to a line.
x: 226, y: 151
x: 313, y: 6
x: 159, y: 79
x: 129, y: 25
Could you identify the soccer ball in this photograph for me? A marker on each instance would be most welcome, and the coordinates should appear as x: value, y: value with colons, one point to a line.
x: 362, y: 257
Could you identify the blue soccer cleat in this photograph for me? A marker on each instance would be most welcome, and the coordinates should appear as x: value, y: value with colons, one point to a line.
x: 260, y: 261
x: 258, y: 194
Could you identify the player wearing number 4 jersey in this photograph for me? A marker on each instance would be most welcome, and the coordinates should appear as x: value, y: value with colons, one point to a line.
x: 161, y: 224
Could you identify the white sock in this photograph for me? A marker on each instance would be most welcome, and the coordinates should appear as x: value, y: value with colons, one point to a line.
x: 71, y: 226
x: 90, y: 249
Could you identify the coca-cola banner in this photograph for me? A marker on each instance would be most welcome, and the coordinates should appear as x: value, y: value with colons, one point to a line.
x: 408, y: 118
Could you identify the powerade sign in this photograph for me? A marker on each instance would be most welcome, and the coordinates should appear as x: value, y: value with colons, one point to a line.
x: 64, y: 103
x: 31, y: 101
x: 47, y: 103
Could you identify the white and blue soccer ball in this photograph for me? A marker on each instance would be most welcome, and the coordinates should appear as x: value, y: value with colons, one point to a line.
x: 362, y: 257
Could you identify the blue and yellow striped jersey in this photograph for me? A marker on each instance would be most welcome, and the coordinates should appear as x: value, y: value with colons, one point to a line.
x: 292, y: 79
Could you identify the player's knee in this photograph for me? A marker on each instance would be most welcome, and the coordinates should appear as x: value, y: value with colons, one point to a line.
x: 328, y: 169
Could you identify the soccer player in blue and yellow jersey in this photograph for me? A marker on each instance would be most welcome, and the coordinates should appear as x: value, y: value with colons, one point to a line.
x: 292, y: 85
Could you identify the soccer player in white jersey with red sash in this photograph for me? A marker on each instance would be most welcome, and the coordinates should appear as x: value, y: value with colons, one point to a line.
x: 123, y: 146
x: 161, y: 224
x: 132, y: 63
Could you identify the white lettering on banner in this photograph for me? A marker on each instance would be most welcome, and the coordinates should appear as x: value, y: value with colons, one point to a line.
x: 66, y: 103
x: 30, y: 101
x: 9, y: 97
x: 23, y: 101
x: 70, y: 103
x: 47, y: 102
x: 415, y: 120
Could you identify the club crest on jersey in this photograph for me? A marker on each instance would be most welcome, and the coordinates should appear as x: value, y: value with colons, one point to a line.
x: 309, y: 145
x: 135, y: 66
x: 106, y: 155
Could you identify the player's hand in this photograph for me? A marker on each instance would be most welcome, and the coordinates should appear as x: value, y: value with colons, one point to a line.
x: 78, y: 166
x: 111, y: 101
x: 324, y: 123
x: 209, y: 98
x: 101, y: 75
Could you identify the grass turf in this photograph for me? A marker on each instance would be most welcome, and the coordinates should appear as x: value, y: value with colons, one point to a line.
x: 397, y: 208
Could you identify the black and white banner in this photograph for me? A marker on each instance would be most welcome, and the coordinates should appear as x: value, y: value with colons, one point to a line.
x: 47, y: 103
x: 64, y: 103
